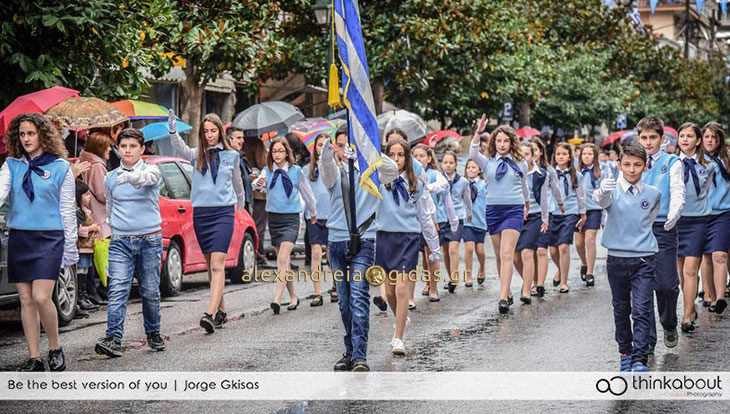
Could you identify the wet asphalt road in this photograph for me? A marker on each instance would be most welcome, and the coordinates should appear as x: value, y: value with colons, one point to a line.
x: 462, y: 332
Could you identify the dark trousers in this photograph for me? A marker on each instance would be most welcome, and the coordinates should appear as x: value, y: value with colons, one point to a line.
x: 666, y: 281
x: 632, y: 290
x: 260, y: 217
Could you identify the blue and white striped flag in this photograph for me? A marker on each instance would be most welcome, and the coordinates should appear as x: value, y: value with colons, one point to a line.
x: 358, y: 96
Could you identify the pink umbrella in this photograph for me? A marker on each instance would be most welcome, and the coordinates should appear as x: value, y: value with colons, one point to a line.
x: 525, y: 132
x: 434, y: 137
x: 38, y: 102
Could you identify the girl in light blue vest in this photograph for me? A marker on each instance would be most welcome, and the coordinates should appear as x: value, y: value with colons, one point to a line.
x: 402, y: 221
x: 555, y: 202
x: 318, y: 231
x: 39, y: 187
x: 445, y: 215
x: 692, y: 226
x: 718, y: 228
x: 564, y: 224
x: 585, y: 239
x: 284, y: 182
x: 475, y: 231
x: 461, y: 197
x: 217, y: 189
x: 508, y: 204
x: 535, y: 225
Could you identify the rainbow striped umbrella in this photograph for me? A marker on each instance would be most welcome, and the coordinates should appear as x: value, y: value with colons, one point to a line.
x: 141, y: 110
x: 324, y: 127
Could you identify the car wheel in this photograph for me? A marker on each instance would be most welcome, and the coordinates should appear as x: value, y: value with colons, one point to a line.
x: 172, y: 271
x: 246, y: 262
x: 65, y: 295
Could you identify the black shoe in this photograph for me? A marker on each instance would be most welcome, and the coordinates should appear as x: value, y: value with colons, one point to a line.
x: 220, y: 318
x: 411, y: 306
x: 590, y: 281
x: 564, y: 290
x: 334, y: 297
x: 380, y: 303
x: 109, y: 346
x: 503, y: 306
x: 275, y: 307
x: 480, y: 280
x: 155, y: 342
x: 583, y: 271
x: 670, y: 338
x: 96, y: 299
x: 511, y: 300
x: 206, y: 322
x: 293, y: 306
x: 556, y: 283
x: 720, y: 306
x: 32, y: 365
x: 711, y: 308
x: 360, y: 365
x: 344, y: 364
x: 540, y: 291
x: 701, y: 294
x: 452, y: 287
x: 86, y: 304
x: 317, y: 301
x: 688, y: 327
x: 80, y: 313
x: 526, y: 300
x: 651, y: 349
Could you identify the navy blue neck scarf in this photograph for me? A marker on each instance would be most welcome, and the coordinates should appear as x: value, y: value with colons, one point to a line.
x: 502, y: 167
x: 538, y: 179
x: 285, y: 180
x: 689, y: 169
x: 589, y: 171
x: 398, y: 187
x: 565, y: 176
x: 34, y: 165
x: 214, y: 161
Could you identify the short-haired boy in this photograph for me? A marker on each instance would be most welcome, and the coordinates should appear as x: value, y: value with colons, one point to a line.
x: 133, y: 214
x: 631, y: 207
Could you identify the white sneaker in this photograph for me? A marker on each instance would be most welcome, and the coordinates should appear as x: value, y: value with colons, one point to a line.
x: 398, y: 347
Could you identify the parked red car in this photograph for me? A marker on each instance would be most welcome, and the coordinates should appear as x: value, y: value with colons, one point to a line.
x: 181, y: 254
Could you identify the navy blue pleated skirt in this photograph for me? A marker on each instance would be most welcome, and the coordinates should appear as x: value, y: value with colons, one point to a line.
x: 543, y: 239
x: 530, y: 233
x: 692, y: 233
x: 593, y: 220
x: 718, y: 233
x: 214, y: 228
x: 318, y: 233
x: 563, y: 227
x: 445, y: 234
x: 397, y: 251
x: 34, y: 255
x: 503, y: 217
x: 473, y: 234
x: 283, y: 227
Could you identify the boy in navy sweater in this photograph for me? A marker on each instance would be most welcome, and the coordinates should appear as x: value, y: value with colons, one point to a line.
x: 133, y: 213
x: 631, y: 207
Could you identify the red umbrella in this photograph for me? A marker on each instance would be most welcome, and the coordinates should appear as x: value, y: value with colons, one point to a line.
x: 39, y: 102
x: 527, y: 132
x: 432, y: 138
x: 613, y: 137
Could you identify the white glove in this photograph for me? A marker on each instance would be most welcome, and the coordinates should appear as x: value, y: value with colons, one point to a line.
x: 454, y: 226
x: 260, y: 181
x: 670, y: 223
x: 435, y: 255
x: 172, y: 123
x: 350, y: 153
x: 328, y: 152
x: 608, y: 185
x: 123, y: 177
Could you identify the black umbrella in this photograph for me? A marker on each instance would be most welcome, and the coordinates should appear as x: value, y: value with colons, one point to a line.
x: 266, y: 117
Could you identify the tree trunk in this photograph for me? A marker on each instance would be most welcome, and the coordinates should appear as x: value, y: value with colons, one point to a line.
x: 378, y: 87
x: 523, y: 109
x: 191, y: 97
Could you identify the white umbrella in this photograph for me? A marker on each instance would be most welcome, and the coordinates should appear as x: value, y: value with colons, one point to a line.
x: 266, y: 117
x: 413, y: 125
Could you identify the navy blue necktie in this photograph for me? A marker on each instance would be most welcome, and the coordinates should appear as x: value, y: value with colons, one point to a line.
x: 651, y: 161
x: 502, y: 167
x: 538, y: 179
x: 285, y: 180
x: 35, y: 165
x: 473, y: 188
x: 451, y: 183
x: 315, y: 174
x: 214, y: 161
x: 723, y: 171
x: 398, y: 187
x: 593, y: 176
x: 632, y: 190
x: 564, y: 176
x: 689, y: 169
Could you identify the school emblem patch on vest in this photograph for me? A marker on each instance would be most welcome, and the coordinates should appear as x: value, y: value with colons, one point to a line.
x: 645, y: 204
x: 46, y: 174
x: 664, y: 169
x: 703, y: 172
x: 226, y: 161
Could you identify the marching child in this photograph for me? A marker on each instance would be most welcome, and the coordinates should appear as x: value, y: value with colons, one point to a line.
x: 461, y: 197
x: 475, y: 230
x: 585, y: 239
x: 135, y: 250
x: 631, y: 206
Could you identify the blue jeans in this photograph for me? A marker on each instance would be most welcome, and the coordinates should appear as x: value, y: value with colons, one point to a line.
x: 632, y: 290
x: 666, y: 282
x: 131, y: 256
x: 354, y: 294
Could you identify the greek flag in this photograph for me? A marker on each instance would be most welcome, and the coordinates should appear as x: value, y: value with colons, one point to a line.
x: 358, y: 96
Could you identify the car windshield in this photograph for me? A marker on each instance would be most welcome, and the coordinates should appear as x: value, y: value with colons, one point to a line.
x: 176, y: 186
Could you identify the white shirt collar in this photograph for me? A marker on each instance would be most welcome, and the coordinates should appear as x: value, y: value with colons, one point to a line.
x: 450, y: 177
x: 625, y: 184
x: 135, y: 167
x: 682, y: 156
x: 284, y: 167
x: 533, y: 168
x: 655, y: 156
x: 500, y: 156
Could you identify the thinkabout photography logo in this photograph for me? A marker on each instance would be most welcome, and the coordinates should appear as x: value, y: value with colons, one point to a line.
x: 694, y: 386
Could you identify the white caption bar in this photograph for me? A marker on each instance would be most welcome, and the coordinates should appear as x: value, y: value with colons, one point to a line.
x: 363, y: 386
